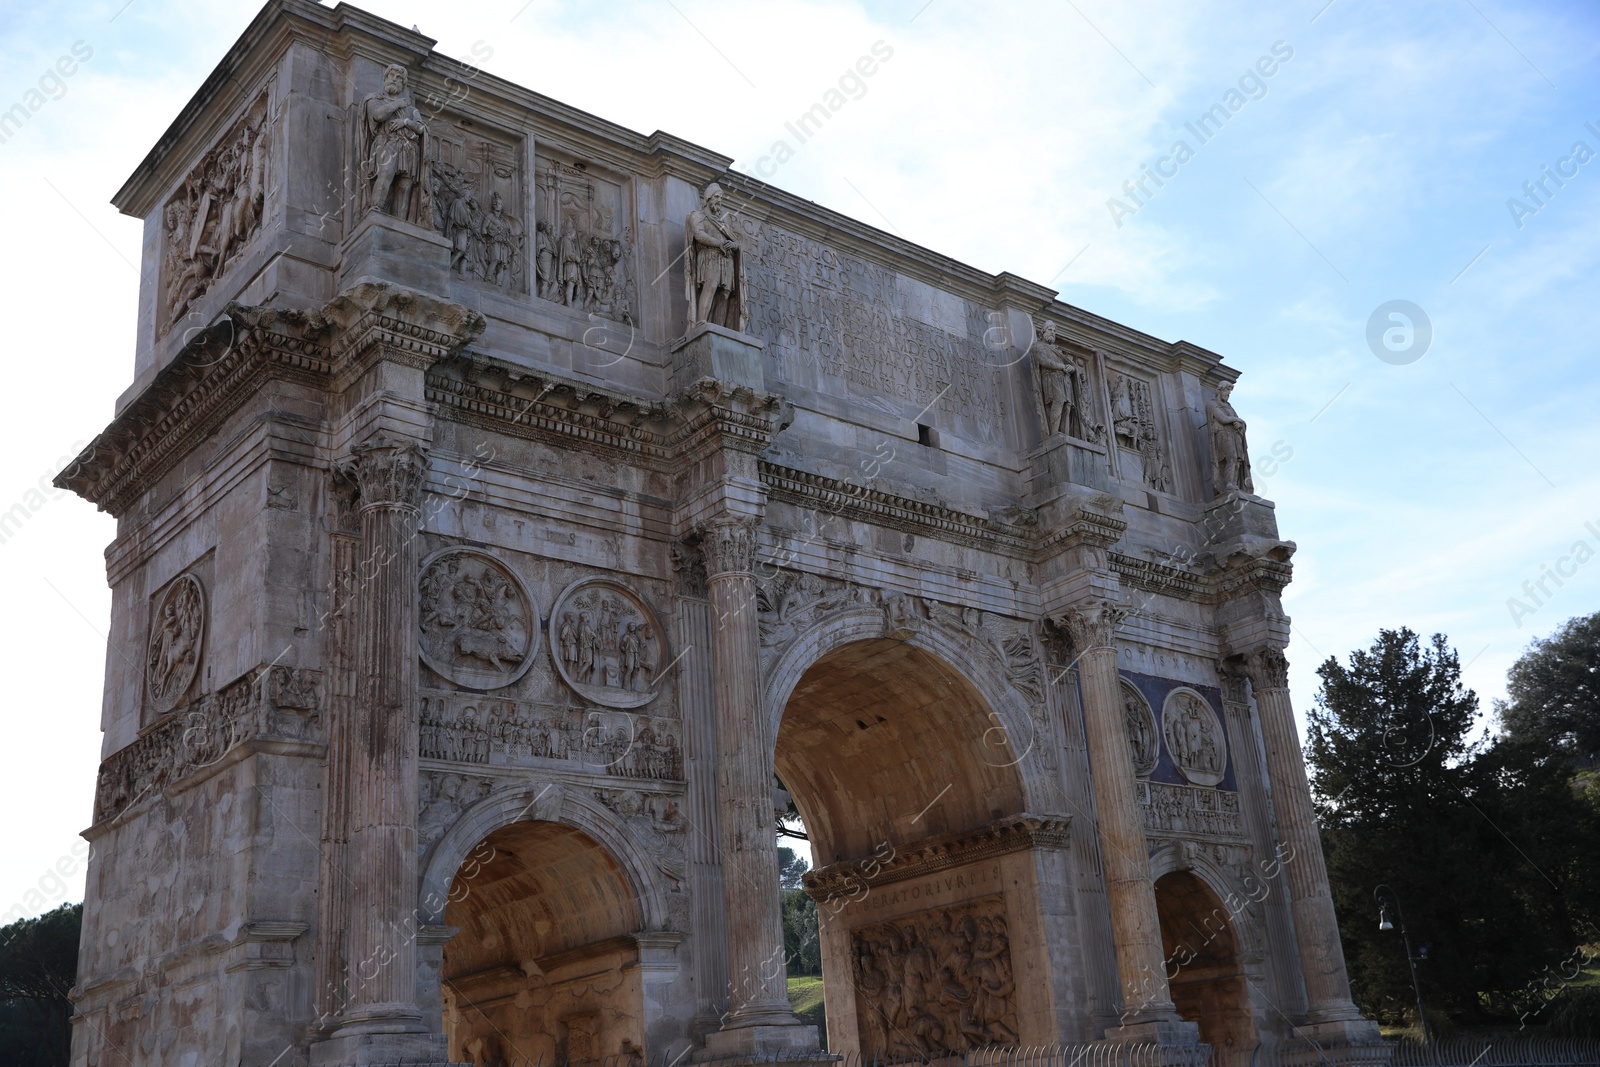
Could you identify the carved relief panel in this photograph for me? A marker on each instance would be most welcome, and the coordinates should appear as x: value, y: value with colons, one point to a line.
x: 938, y: 980
x: 467, y: 728
x: 479, y: 204
x: 1143, y: 743
x: 607, y: 644
x: 479, y: 624
x: 177, y: 638
x: 1136, y: 428
x: 582, y: 246
x: 214, y: 215
x: 1194, y: 737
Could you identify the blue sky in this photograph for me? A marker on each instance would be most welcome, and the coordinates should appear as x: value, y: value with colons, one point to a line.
x: 1374, y: 164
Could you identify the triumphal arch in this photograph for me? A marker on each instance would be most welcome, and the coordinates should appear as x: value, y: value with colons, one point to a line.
x: 515, y: 511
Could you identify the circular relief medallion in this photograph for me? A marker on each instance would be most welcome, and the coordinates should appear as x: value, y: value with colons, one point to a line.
x: 1194, y: 737
x: 176, y: 634
x: 479, y: 626
x: 607, y: 643
x: 1141, y: 723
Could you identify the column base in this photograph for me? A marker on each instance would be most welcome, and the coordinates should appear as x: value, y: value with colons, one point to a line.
x: 1358, y: 1039
x: 373, y: 1050
x: 1170, y: 1031
x: 765, y: 1039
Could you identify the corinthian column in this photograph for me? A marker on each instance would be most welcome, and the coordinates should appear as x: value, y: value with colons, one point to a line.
x: 758, y: 1015
x: 1316, y: 927
x: 377, y: 743
x: 1148, y: 1012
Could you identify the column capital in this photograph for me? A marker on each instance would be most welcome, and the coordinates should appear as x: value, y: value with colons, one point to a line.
x: 387, y: 472
x: 1267, y: 667
x: 1092, y: 623
x: 728, y: 546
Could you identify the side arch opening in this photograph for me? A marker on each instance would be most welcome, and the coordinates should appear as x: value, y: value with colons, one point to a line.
x: 545, y: 965
x: 1205, y: 971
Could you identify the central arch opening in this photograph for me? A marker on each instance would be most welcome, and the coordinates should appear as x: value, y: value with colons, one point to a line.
x: 544, y: 966
x: 884, y: 747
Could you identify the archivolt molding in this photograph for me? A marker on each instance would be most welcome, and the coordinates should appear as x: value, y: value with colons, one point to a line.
x: 543, y: 801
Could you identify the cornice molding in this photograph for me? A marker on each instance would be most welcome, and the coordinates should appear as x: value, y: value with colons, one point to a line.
x: 850, y: 879
x: 210, y: 377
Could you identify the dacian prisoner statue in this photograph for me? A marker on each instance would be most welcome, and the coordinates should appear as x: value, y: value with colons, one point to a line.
x: 480, y: 598
x: 1229, y: 455
x: 395, y: 167
x: 714, y: 264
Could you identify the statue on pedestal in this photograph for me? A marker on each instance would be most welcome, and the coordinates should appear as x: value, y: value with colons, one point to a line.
x: 394, y: 165
x: 714, y: 280
x: 1230, y: 458
x: 1062, y: 381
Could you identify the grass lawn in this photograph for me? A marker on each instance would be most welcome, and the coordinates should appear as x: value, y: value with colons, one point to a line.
x: 805, y: 996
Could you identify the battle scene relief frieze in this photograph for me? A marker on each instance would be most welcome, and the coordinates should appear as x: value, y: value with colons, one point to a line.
x: 937, y: 980
x: 215, y: 213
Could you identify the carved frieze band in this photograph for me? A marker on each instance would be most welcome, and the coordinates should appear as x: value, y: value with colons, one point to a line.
x: 1190, y: 810
x: 940, y: 853
x: 272, y: 703
x: 467, y: 728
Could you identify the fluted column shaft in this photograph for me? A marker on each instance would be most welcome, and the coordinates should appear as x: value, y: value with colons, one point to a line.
x: 1135, y: 925
x: 757, y: 976
x: 380, y: 744
x: 1316, y: 927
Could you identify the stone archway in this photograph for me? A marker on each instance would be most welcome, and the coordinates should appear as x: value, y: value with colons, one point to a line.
x: 914, y: 791
x: 1205, y: 964
x: 546, y: 961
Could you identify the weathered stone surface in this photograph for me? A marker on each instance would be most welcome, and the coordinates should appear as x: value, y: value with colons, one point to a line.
x: 482, y: 591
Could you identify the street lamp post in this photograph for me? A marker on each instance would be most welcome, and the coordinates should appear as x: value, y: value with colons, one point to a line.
x: 1411, y: 957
